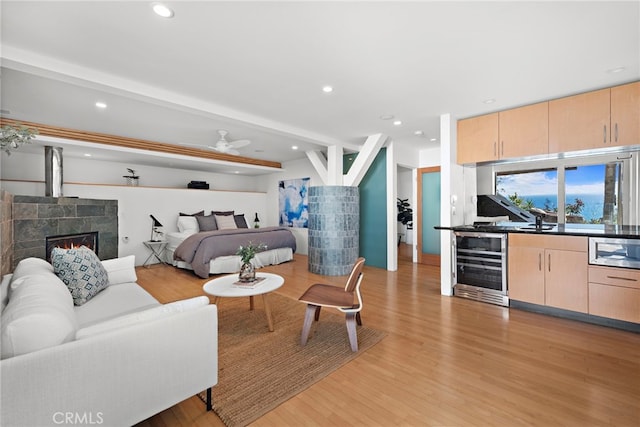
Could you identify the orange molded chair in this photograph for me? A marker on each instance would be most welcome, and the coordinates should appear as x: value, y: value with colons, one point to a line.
x: 319, y: 295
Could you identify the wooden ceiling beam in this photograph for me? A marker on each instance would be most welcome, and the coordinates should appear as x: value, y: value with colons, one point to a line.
x: 134, y: 143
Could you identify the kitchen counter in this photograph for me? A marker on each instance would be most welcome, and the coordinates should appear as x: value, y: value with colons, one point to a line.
x: 589, y: 230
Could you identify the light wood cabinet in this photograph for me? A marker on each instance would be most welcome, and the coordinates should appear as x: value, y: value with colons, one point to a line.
x: 548, y: 270
x: 524, y: 131
x: 599, y: 119
x: 514, y: 133
x: 478, y: 139
x: 579, y: 122
x: 625, y: 114
x: 614, y: 293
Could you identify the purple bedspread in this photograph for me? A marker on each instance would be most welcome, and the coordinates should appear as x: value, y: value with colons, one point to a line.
x: 200, y: 248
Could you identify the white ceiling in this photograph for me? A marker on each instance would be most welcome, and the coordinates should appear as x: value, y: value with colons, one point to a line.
x: 257, y: 69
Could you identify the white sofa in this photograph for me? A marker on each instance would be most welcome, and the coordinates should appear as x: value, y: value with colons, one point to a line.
x: 114, y: 361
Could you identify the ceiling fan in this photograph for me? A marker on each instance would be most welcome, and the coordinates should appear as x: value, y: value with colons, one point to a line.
x: 228, y: 147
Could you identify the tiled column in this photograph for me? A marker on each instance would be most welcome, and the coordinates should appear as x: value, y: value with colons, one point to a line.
x: 334, y: 229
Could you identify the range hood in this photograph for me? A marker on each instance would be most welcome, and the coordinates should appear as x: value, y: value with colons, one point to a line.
x: 490, y: 205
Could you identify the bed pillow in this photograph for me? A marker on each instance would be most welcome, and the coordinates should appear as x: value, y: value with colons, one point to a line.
x: 193, y: 214
x: 240, y: 221
x: 222, y: 213
x: 121, y: 270
x: 207, y: 222
x: 188, y: 223
x: 81, y: 270
x: 225, y: 222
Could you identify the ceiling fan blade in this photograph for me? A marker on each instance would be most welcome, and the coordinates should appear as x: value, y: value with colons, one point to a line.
x: 239, y: 143
x: 232, y: 151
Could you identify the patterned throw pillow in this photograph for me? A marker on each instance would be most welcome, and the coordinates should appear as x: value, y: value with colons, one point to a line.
x: 82, y: 272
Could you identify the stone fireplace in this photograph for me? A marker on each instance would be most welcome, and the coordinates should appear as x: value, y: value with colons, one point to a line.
x: 35, y: 218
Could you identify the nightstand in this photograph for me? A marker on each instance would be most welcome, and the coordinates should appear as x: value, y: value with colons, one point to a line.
x: 157, y: 251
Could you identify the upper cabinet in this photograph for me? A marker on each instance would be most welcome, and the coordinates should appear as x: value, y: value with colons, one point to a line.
x: 599, y: 119
x: 524, y: 131
x: 478, y: 139
x: 625, y: 114
x: 518, y: 132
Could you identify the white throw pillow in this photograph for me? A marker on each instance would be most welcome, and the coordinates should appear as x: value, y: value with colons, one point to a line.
x: 121, y: 270
x: 188, y: 224
x: 39, y: 315
x: 81, y: 270
x: 143, y: 316
x: 226, y: 222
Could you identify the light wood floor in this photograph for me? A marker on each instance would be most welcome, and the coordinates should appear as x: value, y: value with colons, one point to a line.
x: 446, y: 361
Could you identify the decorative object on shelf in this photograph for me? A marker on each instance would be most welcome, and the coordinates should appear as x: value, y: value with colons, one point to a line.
x: 12, y: 137
x: 247, y: 252
x: 132, y: 178
x: 256, y: 221
x: 157, y: 232
x: 201, y: 185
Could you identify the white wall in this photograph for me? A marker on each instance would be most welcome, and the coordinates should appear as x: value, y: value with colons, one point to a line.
x: 405, y: 191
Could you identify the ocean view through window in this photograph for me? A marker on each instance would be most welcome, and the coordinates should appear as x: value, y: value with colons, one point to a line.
x: 584, y: 194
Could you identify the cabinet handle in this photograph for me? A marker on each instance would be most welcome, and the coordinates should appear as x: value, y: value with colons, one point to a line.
x: 604, y: 139
x: 616, y: 130
x: 549, y: 263
x: 622, y: 278
x: 502, y: 149
x: 539, y: 262
x: 495, y: 151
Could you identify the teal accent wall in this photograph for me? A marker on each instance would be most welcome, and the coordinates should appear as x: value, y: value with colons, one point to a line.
x: 373, y: 209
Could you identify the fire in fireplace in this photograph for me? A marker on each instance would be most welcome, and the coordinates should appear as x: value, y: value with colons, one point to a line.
x: 67, y: 241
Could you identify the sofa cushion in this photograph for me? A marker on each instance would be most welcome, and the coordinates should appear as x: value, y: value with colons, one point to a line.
x: 39, y: 314
x: 29, y: 267
x: 143, y: 316
x: 121, y: 270
x: 81, y: 270
x: 114, y: 301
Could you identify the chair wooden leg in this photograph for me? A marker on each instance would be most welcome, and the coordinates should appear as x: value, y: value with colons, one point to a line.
x: 317, y: 317
x: 308, y: 320
x: 358, y: 319
x: 351, y: 330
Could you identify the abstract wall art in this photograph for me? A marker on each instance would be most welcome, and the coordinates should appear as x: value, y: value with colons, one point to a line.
x: 294, y: 202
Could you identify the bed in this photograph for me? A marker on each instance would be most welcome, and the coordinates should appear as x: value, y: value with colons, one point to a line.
x: 207, y: 249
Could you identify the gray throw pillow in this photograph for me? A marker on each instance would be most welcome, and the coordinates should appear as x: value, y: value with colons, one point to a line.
x: 81, y: 270
x: 206, y: 222
x: 241, y: 222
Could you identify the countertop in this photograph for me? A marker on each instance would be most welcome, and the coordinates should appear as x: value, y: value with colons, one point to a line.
x: 589, y: 230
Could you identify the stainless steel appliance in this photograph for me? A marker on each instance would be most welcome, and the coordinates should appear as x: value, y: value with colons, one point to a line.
x: 481, y: 266
x: 614, y: 252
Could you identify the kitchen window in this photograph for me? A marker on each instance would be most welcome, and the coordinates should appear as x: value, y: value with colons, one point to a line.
x: 582, y: 191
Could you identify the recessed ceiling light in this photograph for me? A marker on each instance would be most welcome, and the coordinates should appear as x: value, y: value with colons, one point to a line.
x: 386, y: 117
x: 87, y: 155
x: 616, y: 70
x: 162, y: 10
x: 327, y: 89
x: 100, y: 104
x: 397, y: 122
x: 418, y: 133
x: 236, y: 171
x: 294, y: 147
x: 433, y: 139
x: 489, y: 101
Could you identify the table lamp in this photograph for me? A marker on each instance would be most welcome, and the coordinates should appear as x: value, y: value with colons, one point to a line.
x: 156, y: 230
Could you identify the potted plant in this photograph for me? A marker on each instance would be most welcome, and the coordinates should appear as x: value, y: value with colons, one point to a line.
x: 12, y: 137
x: 247, y: 252
x: 132, y: 178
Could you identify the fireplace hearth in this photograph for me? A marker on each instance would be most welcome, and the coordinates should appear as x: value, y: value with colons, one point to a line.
x: 68, y: 241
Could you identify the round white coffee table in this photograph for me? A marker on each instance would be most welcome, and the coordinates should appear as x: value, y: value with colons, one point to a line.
x: 225, y: 287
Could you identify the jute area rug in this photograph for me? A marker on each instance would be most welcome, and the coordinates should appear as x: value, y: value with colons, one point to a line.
x: 258, y: 369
